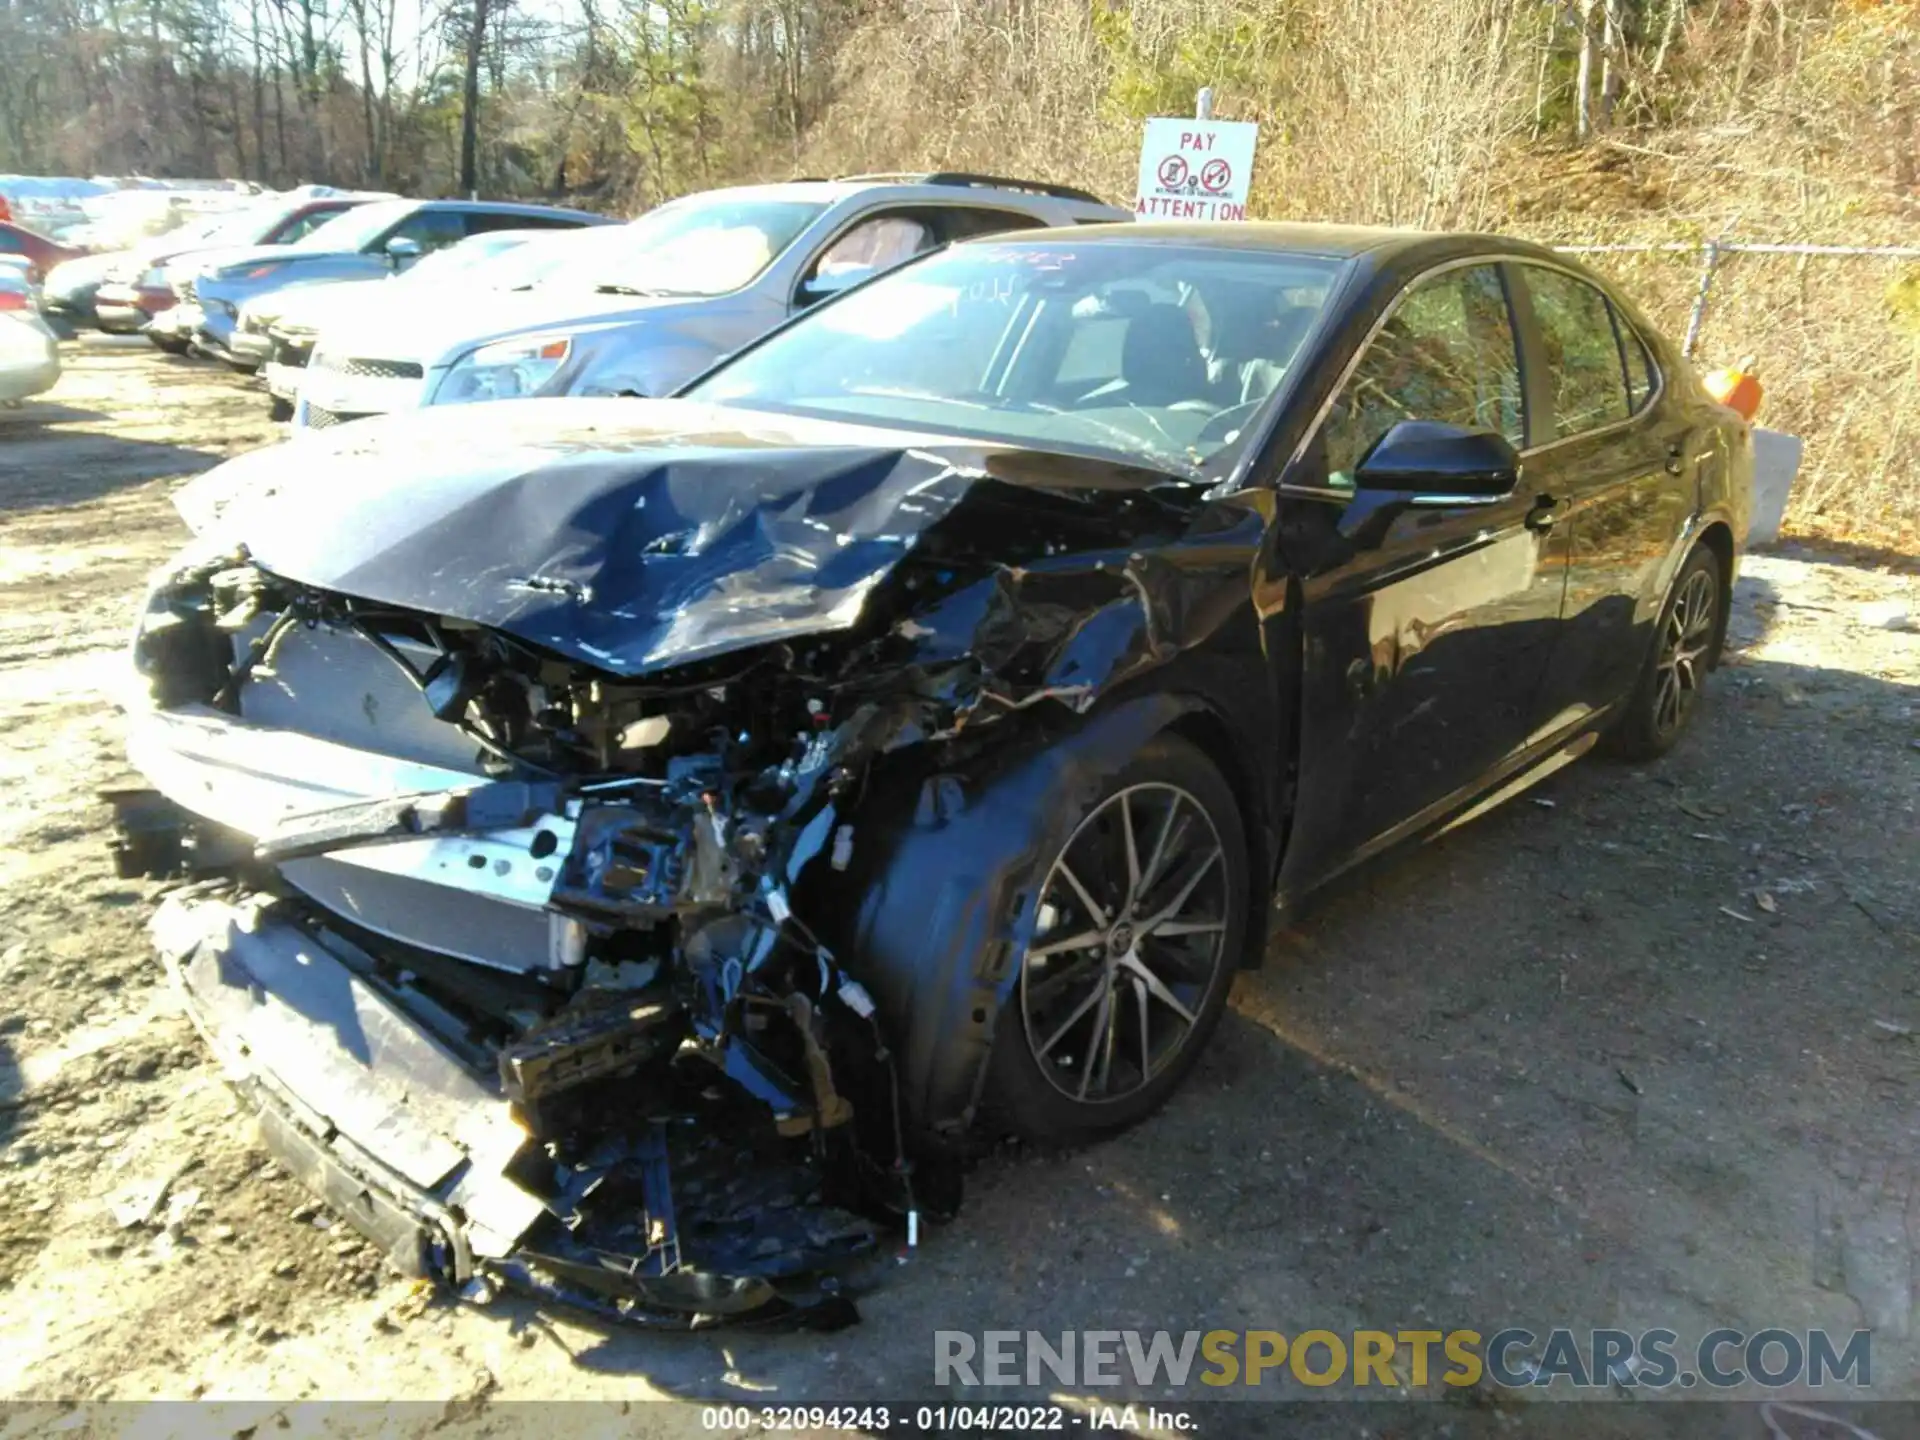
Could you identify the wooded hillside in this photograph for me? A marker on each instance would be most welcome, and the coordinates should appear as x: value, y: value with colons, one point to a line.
x: 1615, y: 120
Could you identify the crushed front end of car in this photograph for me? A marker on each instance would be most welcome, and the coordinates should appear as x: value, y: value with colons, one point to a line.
x: 538, y: 829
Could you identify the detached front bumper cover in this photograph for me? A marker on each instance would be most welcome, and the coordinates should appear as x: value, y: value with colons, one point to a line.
x: 661, y: 1220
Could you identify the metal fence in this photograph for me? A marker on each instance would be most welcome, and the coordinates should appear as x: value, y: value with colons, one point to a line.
x: 1712, y: 252
x: 1835, y: 331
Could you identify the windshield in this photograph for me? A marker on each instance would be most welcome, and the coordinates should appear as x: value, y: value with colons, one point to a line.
x: 539, y: 258
x: 704, y: 245
x: 1157, y: 354
x: 249, y: 227
x: 217, y: 229
x: 355, y: 229
x: 497, y: 259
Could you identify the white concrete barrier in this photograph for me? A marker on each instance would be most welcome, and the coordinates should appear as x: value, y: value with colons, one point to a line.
x: 1776, y: 461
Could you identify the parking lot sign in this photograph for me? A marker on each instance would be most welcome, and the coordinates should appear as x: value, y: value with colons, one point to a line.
x: 1195, y: 169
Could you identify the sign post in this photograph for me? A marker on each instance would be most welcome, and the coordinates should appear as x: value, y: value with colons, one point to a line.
x: 1195, y: 169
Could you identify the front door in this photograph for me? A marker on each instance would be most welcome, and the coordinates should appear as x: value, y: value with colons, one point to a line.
x: 1426, y: 644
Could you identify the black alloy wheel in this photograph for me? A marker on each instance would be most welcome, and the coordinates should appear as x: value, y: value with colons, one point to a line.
x: 1139, y: 924
x: 1658, y: 712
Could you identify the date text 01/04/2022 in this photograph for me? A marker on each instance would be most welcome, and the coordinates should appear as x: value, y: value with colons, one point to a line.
x: 931, y: 1419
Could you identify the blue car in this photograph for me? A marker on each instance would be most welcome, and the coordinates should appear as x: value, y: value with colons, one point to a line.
x: 366, y: 243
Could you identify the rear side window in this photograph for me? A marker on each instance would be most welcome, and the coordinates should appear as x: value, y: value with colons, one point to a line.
x: 1585, y: 370
x: 1640, y: 372
x: 966, y: 221
x: 433, y: 229
x: 483, y: 222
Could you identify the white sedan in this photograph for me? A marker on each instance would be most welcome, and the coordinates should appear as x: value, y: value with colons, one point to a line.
x: 29, y: 356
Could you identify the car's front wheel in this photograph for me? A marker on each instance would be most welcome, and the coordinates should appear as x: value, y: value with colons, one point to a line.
x: 1140, y: 921
x: 1675, y: 673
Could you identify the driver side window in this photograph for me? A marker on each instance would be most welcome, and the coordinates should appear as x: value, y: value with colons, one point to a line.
x: 869, y: 247
x: 1446, y: 353
x: 430, y: 229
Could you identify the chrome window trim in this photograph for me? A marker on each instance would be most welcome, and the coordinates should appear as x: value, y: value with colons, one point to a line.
x: 1329, y: 492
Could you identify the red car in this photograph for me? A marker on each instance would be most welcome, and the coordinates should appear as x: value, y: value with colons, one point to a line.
x: 42, y: 254
x: 132, y: 296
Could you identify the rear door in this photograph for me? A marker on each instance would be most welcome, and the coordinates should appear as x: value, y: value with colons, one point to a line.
x: 1426, y: 644
x: 1621, y: 469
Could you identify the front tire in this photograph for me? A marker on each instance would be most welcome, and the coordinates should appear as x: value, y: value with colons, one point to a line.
x: 1675, y: 675
x: 278, y: 409
x: 1140, y: 922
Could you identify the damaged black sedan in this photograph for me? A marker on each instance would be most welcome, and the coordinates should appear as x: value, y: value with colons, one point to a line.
x: 626, y: 846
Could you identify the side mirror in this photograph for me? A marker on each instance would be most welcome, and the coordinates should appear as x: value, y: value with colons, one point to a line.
x: 825, y: 287
x: 403, y: 251
x: 1435, y: 464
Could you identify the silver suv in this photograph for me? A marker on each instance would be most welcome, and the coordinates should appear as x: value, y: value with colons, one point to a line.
x: 642, y: 308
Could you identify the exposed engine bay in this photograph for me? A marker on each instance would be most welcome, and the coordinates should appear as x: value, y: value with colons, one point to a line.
x: 535, y: 957
x: 665, y: 979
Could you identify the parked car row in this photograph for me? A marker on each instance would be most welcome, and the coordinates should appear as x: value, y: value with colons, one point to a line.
x: 644, y: 838
x: 352, y: 306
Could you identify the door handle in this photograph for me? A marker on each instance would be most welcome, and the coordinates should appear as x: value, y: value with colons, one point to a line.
x: 1545, y: 511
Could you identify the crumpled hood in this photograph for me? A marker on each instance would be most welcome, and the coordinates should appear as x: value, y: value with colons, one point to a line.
x: 629, y: 535
x: 435, y: 324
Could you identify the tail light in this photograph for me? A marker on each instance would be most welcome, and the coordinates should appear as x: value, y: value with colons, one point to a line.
x: 12, y: 300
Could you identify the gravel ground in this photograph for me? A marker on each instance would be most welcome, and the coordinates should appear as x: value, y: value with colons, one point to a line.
x: 1642, y: 1048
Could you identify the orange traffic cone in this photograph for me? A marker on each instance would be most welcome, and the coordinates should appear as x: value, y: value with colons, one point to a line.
x: 1736, y: 388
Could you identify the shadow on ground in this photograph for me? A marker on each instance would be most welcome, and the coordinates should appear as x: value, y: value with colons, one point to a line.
x: 43, y: 466
x: 32, y: 415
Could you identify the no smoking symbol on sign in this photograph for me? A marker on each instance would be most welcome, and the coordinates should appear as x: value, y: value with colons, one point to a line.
x: 1216, y: 176
x: 1173, y: 171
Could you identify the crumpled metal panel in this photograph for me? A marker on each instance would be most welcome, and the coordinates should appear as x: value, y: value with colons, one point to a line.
x: 280, y: 1007
x: 630, y: 536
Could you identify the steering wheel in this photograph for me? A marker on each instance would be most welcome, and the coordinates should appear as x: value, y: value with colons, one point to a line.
x: 1217, y: 430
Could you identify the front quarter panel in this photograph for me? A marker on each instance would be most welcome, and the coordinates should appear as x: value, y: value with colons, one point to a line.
x: 656, y: 356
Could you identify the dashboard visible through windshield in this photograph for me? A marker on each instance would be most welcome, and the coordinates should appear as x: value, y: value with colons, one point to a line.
x: 1157, y: 354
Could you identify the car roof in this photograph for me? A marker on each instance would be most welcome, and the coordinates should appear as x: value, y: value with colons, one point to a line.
x: 489, y: 207
x: 947, y: 188
x: 1383, y: 245
x: 1296, y: 237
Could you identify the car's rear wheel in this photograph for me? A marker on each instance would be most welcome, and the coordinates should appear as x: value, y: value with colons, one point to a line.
x: 1139, y: 925
x: 169, y: 343
x: 1664, y: 701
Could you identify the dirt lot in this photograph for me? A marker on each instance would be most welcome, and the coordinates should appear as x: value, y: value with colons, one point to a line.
x: 1642, y: 1048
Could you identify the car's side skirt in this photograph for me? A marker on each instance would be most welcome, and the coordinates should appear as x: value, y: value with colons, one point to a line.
x: 1470, y: 802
